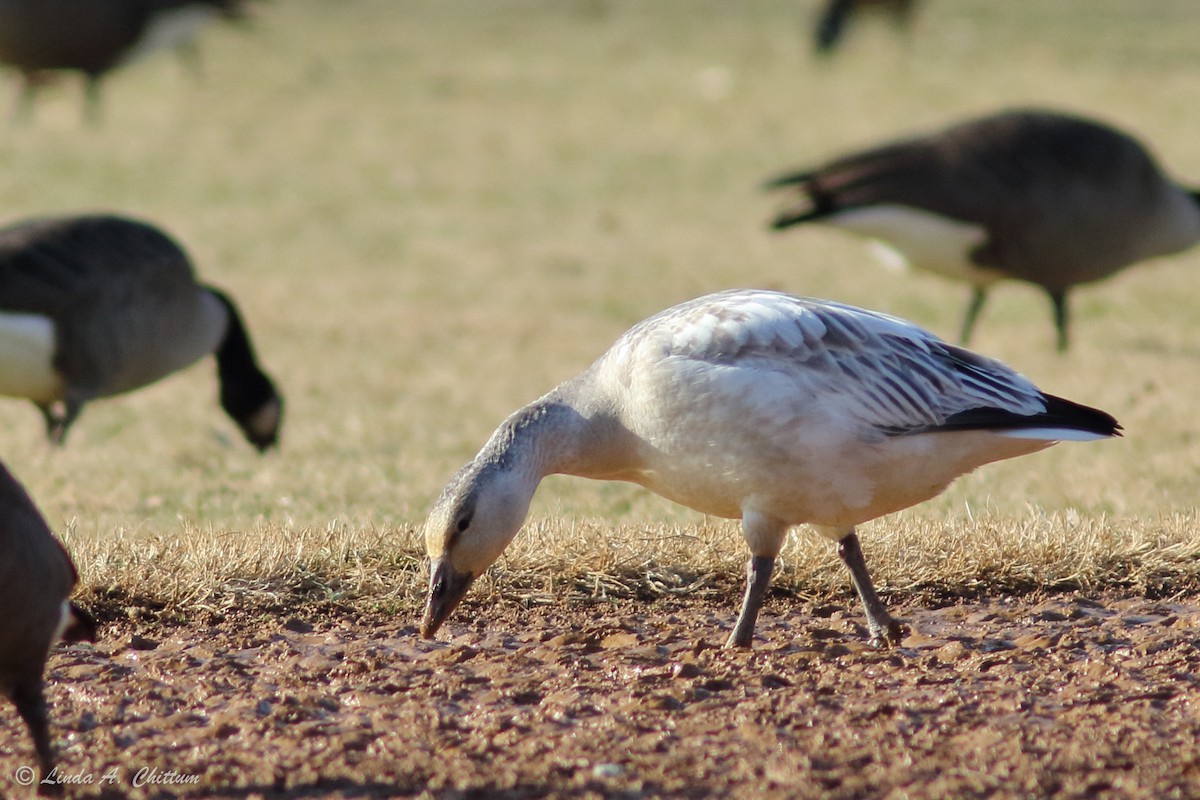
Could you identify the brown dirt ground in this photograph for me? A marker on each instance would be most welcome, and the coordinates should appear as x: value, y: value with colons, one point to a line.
x: 1059, y: 695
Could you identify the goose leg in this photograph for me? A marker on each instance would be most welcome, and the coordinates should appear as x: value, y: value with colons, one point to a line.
x: 974, y: 306
x: 902, y: 12
x: 91, y: 100
x: 53, y: 422
x: 59, y: 417
x: 832, y: 23
x: 1059, y: 298
x: 22, y: 110
x: 885, y: 630
x: 193, y: 62
x: 31, y: 705
x: 758, y: 577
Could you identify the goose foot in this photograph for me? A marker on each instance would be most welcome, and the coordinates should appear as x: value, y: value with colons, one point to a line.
x: 886, y: 631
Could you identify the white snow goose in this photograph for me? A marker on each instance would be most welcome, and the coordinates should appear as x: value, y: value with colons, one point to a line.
x: 760, y: 406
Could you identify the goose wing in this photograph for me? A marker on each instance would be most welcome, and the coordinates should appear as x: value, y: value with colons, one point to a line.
x: 38, y: 563
x: 47, y: 265
x: 1013, y: 172
x: 881, y: 374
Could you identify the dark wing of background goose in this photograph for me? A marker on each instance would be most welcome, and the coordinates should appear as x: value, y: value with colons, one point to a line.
x: 1051, y: 199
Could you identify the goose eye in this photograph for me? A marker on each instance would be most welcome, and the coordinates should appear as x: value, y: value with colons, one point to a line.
x: 463, y: 524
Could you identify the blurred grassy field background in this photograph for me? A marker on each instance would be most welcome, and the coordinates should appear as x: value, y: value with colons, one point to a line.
x: 431, y: 212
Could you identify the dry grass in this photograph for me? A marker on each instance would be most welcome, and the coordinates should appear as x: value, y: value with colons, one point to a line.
x: 431, y: 212
x: 275, y: 567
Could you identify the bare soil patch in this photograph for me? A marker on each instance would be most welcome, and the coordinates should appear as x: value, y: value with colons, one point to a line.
x: 1060, y: 695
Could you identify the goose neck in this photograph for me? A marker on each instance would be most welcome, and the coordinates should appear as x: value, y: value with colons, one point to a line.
x: 544, y: 438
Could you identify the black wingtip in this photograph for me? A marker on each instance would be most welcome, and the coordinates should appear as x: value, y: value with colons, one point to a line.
x: 789, y: 218
x: 813, y: 203
x: 787, y: 179
x: 1060, y: 413
x: 1068, y: 413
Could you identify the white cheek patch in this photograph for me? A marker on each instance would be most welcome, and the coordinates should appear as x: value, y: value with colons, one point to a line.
x: 27, y: 358
x: 921, y: 239
x: 265, y: 421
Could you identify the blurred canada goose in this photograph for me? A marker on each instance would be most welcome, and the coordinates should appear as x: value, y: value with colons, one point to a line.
x: 36, y: 578
x: 757, y: 405
x: 1036, y: 196
x: 836, y: 15
x: 93, y: 306
x: 96, y: 36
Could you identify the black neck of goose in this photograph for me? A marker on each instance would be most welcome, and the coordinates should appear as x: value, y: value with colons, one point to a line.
x: 245, y: 388
x: 1195, y: 193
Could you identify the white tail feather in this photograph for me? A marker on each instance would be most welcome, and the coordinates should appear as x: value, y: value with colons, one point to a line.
x: 65, y: 617
x: 1052, y: 434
